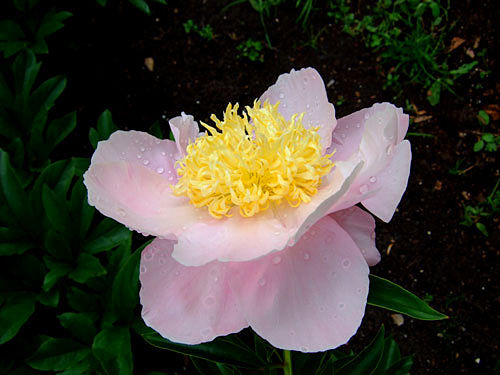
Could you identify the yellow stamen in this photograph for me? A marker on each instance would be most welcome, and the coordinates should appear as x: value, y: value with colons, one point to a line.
x: 252, y: 164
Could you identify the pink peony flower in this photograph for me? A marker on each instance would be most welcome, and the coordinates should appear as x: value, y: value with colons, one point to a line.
x: 256, y: 223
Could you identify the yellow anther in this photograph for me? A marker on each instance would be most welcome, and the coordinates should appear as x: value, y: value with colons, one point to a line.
x: 257, y: 160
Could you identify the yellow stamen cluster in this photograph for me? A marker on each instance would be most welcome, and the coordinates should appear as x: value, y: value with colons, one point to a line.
x: 256, y: 160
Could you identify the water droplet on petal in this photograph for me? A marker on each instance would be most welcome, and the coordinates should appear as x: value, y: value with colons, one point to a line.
x: 305, y: 81
x: 306, y: 256
x: 358, y: 125
x: 262, y: 282
x: 359, y: 290
x: 121, y: 212
x: 373, y: 179
x: 170, y: 178
x: 322, y: 308
x: 145, y: 162
x: 162, y: 261
x: 157, y: 141
x: 177, y: 273
x: 142, y: 149
x: 277, y: 259
x: 367, y: 116
x: 303, y: 349
x: 341, y: 305
x: 389, y: 149
x: 346, y: 263
x: 343, y: 135
x: 281, y: 95
x: 163, y: 153
x: 143, y: 269
x: 148, y: 255
x: 160, y: 170
x: 363, y: 189
x: 308, y: 106
x: 292, y: 333
x: 139, y: 156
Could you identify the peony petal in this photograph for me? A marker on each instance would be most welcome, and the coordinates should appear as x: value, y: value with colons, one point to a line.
x: 136, y: 190
x: 139, y: 148
x: 243, y: 239
x: 185, y: 131
x: 382, y: 125
x: 304, y: 91
x: 190, y: 305
x: 310, y: 297
x: 360, y: 225
x: 393, y: 181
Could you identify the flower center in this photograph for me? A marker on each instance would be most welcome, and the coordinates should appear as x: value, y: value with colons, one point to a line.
x: 257, y: 160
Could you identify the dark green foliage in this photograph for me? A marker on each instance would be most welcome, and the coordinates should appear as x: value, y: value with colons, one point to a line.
x: 142, y: 5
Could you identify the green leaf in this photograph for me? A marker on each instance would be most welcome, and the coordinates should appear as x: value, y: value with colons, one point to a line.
x: 13, y: 242
x: 434, y: 93
x: 488, y: 137
x: 50, y: 298
x: 402, y: 367
x: 25, y: 71
x: 223, y: 349
x: 14, y: 312
x: 464, y: 69
x: 384, y: 293
x: 142, y: 5
x: 56, y: 209
x: 482, y: 228
x: 367, y: 360
x: 478, y: 146
x: 81, y: 325
x: 102, y: 2
x: 58, y: 354
x: 106, y: 236
x: 112, y: 348
x: 82, y: 301
x: 483, y: 117
x: 51, y: 22
x: 44, y: 97
x: 57, y: 270
x: 87, y: 268
x: 60, y: 128
x: 125, y: 291
x: 105, y: 127
x: 14, y: 194
x: 390, y: 356
x: 81, y: 212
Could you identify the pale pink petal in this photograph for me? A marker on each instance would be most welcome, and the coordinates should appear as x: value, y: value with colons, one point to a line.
x: 189, y: 305
x: 243, y: 239
x: 304, y: 91
x: 129, y: 180
x: 310, y: 297
x: 393, y: 181
x: 360, y: 225
x: 139, y: 148
x: 185, y: 131
x: 382, y: 125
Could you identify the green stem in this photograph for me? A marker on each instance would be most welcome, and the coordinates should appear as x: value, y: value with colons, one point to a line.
x: 287, y: 366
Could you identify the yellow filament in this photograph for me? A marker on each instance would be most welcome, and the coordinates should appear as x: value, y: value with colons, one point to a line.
x: 256, y: 160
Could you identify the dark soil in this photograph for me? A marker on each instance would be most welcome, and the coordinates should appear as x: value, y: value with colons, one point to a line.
x: 424, y: 249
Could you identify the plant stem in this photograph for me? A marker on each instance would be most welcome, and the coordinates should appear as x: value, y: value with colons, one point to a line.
x: 287, y: 366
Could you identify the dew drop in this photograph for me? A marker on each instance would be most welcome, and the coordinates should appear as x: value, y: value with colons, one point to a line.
x: 303, y: 349
x: 359, y: 290
x: 282, y: 95
x: 308, y: 106
x: 143, y: 269
x: 162, y: 261
x: 306, y: 256
x: 341, y: 305
x: 142, y: 149
x: 358, y: 125
x: 305, y: 81
x: 346, y: 263
x: 121, y: 212
x: 160, y: 170
x: 157, y: 142
x: 262, y: 282
x: 139, y: 156
x: 389, y: 149
x: 373, y: 179
x: 177, y: 273
x: 148, y: 255
x: 322, y: 308
x: 277, y: 259
x: 363, y: 189
x: 291, y: 333
x: 343, y: 135
x: 145, y: 162
x: 170, y: 178
x: 367, y: 116
x: 163, y: 153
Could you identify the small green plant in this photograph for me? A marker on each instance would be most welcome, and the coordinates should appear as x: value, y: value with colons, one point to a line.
x: 205, y: 32
x: 488, y: 142
x: 409, y: 36
x: 139, y: 4
x: 457, y: 170
x: 486, y: 208
x: 251, y: 49
x: 483, y: 117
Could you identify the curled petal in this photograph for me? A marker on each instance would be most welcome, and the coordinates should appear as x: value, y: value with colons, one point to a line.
x: 360, y: 225
x: 190, y: 305
x: 185, y: 131
x: 304, y: 91
x: 375, y: 142
x: 310, y: 297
